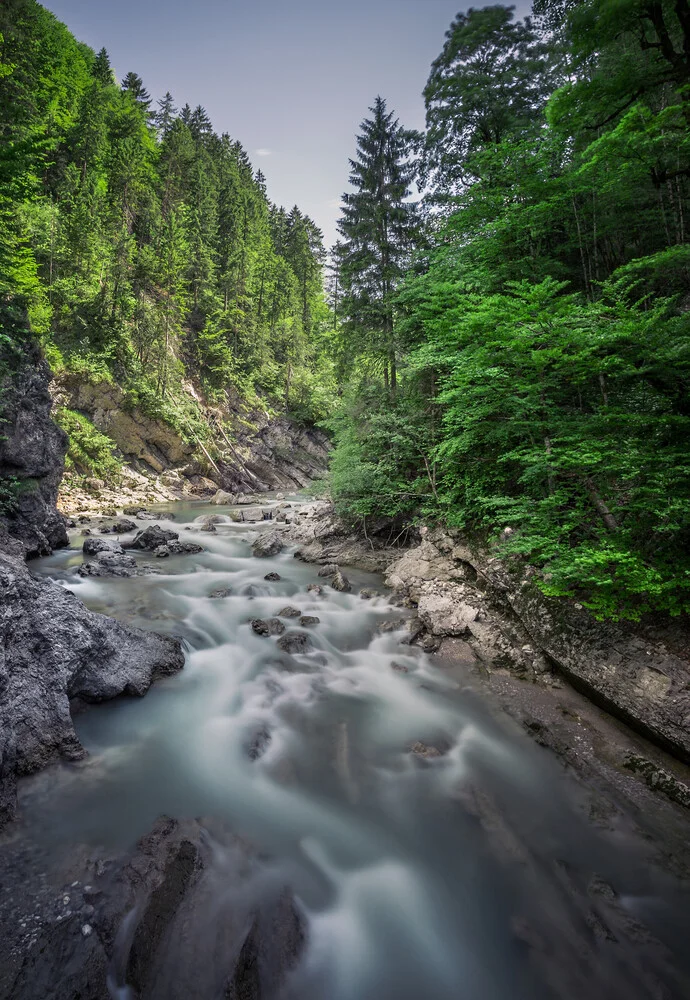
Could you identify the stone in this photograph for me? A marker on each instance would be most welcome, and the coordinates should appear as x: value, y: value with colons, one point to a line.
x: 177, y: 548
x: 330, y: 569
x: 220, y: 593
x: 307, y: 621
x: 295, y: 642
x: 367, y: 594
x: 272, y: 577
x: 267, y: 626
x: 392, y: 625
x: 92, y: 546
x: 152, y: 537
x: 55, y: 650
x: 289, y: 612
x: 159, y: 892
x: 341, y: 583
x: 109, y: 564
x: 425, y: 752
x: 314, y: 588
x: 209, y: 526
x: 162, y: 552
x: 32, y: 449
x: 223, y: 499
x: 400, y: 668
x: 270, y: 543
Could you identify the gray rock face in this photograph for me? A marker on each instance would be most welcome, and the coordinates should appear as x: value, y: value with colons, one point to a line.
x: 53, y: 649
x: 460, y: 592
x: 32, y: 450
x: 268, y: 544
x: 147, y: 924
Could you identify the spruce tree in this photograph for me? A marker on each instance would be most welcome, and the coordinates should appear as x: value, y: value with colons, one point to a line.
x: 165, y: 115
x: 134, y: 85
x: 380, y: 226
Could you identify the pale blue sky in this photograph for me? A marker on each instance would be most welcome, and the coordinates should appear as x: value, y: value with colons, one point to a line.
x: 291, y: 79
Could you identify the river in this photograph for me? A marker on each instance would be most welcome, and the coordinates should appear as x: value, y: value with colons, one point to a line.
x: 467, y: 870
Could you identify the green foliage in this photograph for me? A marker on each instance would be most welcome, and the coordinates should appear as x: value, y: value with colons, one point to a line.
x: 545, y: 337
x: 142, y: 245
x: 10, y: 487
x: 90, y: 453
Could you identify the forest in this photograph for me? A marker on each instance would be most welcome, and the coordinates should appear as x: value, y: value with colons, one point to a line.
x: 514, y: 296
x: 141, y: 245
x: 500, y: 340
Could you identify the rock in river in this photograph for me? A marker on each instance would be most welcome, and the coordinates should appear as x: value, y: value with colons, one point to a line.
x: 340, y: 582
x: 295, y: 642
x: 152, y: 537
x: 268, y: 544
x: 267, y: 626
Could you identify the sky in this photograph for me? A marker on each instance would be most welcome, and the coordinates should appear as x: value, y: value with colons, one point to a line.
x: 291, y: 79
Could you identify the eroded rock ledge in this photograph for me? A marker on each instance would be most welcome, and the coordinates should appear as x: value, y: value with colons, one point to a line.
x: 54, y: 650
x: 493, y: 612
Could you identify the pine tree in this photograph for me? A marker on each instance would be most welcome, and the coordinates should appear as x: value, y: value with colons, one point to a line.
x: 380, y: 226
x: 102, y: 70
x: 165, y: 115
x: 134, y: 85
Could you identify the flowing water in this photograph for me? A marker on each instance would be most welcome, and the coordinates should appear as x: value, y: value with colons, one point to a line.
x: 467, y: 875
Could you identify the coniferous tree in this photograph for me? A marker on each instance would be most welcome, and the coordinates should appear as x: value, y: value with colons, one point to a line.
x: 134, y: 85
x: 380, y: 227
x: 102, y: 70
x: 165, y: 115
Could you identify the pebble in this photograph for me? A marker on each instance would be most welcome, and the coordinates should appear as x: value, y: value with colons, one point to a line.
x: 86, y: 930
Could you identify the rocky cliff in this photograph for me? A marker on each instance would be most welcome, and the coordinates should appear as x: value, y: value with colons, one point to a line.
x: 32, y: 455
x: 239, y: 449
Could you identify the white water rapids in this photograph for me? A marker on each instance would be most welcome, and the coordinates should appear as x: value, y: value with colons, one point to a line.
x: 462, y: 876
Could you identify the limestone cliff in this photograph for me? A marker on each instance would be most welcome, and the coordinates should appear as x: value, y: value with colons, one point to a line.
x: 236, y: 448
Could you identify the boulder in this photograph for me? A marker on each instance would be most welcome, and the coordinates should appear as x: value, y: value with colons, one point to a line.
x: 315, y: 588
x: 289, y: 612
x: 177, y: 548
x: 272, y: 577
x: 150, y: 538
x: 270, y: 543
x: 220, y: 593
x: 109, y: 564
x: 267, y: 626
x: 340, y: 582
x: 222, y: 498
x: 295, y: 642
x: 92, y: 546
x: 330, y: 569
x: 56, y: 650
x: 307, y: 621
x: 123, y: 526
